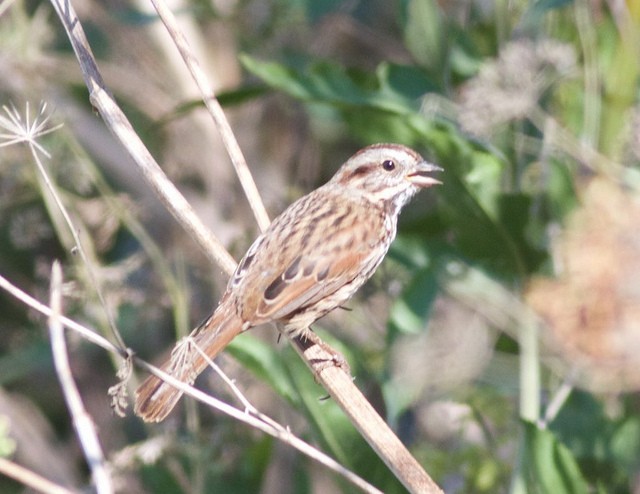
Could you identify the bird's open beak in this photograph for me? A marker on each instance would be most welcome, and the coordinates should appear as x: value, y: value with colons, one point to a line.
x: 421, y: 175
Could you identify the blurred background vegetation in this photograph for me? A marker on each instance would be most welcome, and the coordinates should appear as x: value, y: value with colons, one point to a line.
x: 500, y: 338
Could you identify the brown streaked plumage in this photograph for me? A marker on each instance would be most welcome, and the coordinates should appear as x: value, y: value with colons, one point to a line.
x: 311, y: 259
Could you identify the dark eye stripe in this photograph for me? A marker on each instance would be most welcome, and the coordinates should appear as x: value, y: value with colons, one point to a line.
x: 361, y: 170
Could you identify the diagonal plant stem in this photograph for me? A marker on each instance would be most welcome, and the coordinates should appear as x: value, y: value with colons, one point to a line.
x: 216, y: 112
x: 248, y: 407
x: 558, y: 400
x: 30, y: 131
x: 121, y: 128
x: 269, y: 427
x: 362, y: 415
x: 30, y: 479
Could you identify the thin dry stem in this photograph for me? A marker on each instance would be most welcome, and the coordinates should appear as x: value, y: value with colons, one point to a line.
x: 4, y: 6
x: 86, y: 333
x: 216, y: 112
x: 121, y: 128
x: 248, y: 407
x: 51, y: 187
x: 280, y: 432
x: 30, y: 479
x: 82, y: 421
x: 557, y: 401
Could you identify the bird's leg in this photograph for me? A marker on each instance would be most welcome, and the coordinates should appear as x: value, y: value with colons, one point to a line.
x: 308, y: 339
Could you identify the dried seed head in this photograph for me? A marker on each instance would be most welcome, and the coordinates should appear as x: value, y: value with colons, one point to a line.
x: 508, y: 87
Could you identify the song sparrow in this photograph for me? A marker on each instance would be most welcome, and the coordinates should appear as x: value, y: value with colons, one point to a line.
x: 311, y: 259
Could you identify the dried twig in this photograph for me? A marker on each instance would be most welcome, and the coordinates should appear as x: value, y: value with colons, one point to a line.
x: 119, y: 125
x: 27, y: 131
x: 248, y: 407
x: 30, y: 479
x: 216, y: 112
x: 82, y: 421
x: 279, y: 432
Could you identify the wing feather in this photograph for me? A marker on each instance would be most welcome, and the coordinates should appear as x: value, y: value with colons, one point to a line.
x: 318, y: 274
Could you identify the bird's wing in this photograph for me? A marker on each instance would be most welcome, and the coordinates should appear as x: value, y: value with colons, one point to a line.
x: 319, y: 271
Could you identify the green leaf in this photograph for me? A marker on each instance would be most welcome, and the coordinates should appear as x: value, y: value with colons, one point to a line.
x: 392, y: 88
x: 561, y: 190
x: 403, y: 81
x: 234, y: 97
x: 411, y: 251
x: 478, y: 236
x: 7, y: 443
x: 265, y: 361
x: 608, y: 448
x: 548, y: 465
x: 625, y: 444
x: 25, y: 361
x: 425, y: 33
x: 515, y: 216
x: 411, y: 310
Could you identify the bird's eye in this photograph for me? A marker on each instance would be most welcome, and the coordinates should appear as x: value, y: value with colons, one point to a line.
x: 388, y: 165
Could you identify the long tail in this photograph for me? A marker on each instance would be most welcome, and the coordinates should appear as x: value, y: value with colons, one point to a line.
x: 155, y: 398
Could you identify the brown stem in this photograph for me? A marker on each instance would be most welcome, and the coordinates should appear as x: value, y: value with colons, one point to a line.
x: 337, y: 380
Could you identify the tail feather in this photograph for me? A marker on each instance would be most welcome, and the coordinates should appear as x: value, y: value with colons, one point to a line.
x: 155, y: 398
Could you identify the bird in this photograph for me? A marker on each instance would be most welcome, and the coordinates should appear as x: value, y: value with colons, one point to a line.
x: 311, y: 259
